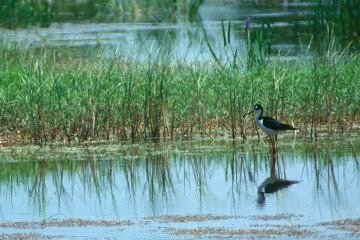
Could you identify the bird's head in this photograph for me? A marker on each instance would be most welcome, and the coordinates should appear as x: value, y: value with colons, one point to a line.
x: 258, y: 108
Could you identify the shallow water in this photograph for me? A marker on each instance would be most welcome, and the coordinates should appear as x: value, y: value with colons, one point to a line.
x: 184, y: 39
x: 180, y: 190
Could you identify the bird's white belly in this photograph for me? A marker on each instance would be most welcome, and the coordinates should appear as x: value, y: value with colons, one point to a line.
x: 268, y: 131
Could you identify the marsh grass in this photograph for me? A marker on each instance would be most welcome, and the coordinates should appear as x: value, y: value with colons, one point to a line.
x: 238, y: 67
x: 48, y: 95
x: 342, y: 16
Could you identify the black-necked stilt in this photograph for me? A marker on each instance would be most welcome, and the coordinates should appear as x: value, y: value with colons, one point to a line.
x: 272, y: 185
x: 269, y: 125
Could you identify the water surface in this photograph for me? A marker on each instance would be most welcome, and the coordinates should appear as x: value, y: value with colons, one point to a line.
x: 287, y: 23
x: 183, y: 189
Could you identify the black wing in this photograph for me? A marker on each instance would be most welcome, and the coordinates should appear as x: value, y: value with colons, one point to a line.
x: 275, y: 124
x: 278, y: 185
x: 271, y: 185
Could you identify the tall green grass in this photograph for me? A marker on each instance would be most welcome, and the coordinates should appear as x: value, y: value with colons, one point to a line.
x: 342, y: 15
x: 236, y: 65
x: 50, y: 95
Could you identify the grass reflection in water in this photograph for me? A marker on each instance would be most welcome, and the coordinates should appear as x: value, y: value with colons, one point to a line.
x: 185, y: 177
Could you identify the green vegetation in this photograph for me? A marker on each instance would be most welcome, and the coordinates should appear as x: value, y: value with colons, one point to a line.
x: 342, y: 15
x: 23, y: 13
x: 48, y: 95
x: 20, y: 13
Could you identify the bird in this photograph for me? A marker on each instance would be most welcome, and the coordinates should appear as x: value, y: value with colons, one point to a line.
x: 272, y: 185
x: 269, y: 125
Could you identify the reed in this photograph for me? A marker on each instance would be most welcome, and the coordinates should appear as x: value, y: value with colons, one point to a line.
x: 237, y: 67
x: 47, y: 96
x: 342, y: 15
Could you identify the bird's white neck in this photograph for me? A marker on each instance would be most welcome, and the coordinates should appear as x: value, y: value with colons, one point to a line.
x: 258, y: 114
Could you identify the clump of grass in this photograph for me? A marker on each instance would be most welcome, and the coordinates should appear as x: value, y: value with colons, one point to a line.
x: 237, y: 68
x: 342, y: 15
x: 48, y: 95
x: 258, y: 44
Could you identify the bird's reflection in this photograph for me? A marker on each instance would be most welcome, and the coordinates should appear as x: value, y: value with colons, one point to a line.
x: 161, y: 177
x: 273, y: 183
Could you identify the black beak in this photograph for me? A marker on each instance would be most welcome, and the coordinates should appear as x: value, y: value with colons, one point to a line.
x: 248, y: 113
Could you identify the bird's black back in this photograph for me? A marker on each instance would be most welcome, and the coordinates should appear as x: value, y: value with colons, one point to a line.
x: 275, y: 124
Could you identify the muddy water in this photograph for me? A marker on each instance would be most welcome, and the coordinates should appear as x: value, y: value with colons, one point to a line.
x: 182, y: 190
